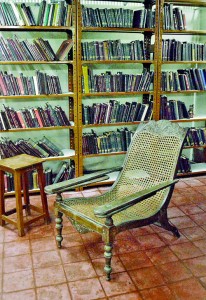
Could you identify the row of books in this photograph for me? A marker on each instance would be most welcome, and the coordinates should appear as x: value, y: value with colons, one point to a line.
x: 39, y: 50
x: 115, y: 112
x: 39, y: 84
x: 41, y: 148
x: 114, y: 50
x: 174, y: 18
x: 173, y: 50
x: 33, y: 117
x: 184, y: 165
x: 195, y: 137
x: 111, y: 141
x: 48, y: 14
x: 108, y: 82
x: 184, y: 80
x: 118, y: 17
x: 66, y: 171
x: 173, y: 109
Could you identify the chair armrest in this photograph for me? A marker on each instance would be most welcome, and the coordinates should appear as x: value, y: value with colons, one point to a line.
x: 79, y: 181
x: 116, y: 206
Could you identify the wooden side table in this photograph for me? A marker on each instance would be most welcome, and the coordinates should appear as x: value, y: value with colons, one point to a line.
x: 19, y: 166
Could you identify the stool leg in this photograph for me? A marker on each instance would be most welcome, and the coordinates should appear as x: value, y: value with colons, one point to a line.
x: 2, y: 203
x: 42, y: 184
x: 19, y: 208
x: 26, y: 193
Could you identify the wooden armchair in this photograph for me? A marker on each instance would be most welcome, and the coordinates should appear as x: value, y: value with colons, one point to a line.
x: 140, y: 195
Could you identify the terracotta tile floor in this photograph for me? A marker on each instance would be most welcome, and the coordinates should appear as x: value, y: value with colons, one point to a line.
x: 148, y: 263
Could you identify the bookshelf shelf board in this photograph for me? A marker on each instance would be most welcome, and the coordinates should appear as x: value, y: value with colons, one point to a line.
x: 34, y: 62
x: 117, y: 62
x: 39, y: 128
x: 184, y: 62
x: 117, y: 29
x: 196, y: 169
x: 36, y: 28
x: 195, y: 147
x: 104, y: 154
x: 187, y: 2
x: 182, y: 92
x: 190, y: 120
x: 188, y: 32
x: 37, y: 96
x: 111, y: 124
x: 115, y: 94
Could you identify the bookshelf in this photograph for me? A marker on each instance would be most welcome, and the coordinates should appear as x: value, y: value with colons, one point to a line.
x: 111, y: 35
x: 187, y: 32
x: 64, y: 137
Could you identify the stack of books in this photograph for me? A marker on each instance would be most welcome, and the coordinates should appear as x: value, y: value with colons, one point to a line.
x: 114, y: 50
x: 173, y: 109
x: 196, y: 137
x: 49, y: 14
x: 41, y: 148
x: 184, y: 80
x: 114, y: 112
x: 33, y: 117
x: 110, y: 141
x: 183, y: 165
x: 119, y: 82
x: 118, y: 17
x: 174, y: 18
x: 39, y: 84
x: 173, y: 50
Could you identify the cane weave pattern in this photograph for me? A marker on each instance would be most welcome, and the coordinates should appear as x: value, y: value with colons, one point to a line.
x: 153, y: 153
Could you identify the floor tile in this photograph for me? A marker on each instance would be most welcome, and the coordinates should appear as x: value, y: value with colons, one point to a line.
x: 95, y: 250
x: 170, y: 239
x: 146, y: 278
x: 135, y: 260
x: 183, y: 222
x: 41, y: 231
x: 161, y: 255
x: 59, y: 291
x: 17, y: 281
x: 201, y: 244
x: 194, y: 233
x: 150, y: 241
x: 122, y: 246
x: 72, y: 240
x: 16, y: 248
x: 43, y: 244
x: 74, y: 254
x: 86, y: 289
x: 174, y: 271
x: 49, y: 276
x: 79, y: 270
x: 186, y: 250
x: 158, y: 293
x: 99, y: 264
x: 120, y: 284
x: 183, y: 290
x: 191, y: 209
x: 27, y: 295
x: 17, y: 263
x: 197, y: 265
x: 142, y: 231
x: 200, y: 219
x: 174, y: 212
x: 45, y: 259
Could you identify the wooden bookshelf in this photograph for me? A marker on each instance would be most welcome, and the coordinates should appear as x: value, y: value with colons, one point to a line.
x: 194, y: 33
x: 64, y: 136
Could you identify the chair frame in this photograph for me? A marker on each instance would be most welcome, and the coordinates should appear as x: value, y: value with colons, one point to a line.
x: 108, y: 230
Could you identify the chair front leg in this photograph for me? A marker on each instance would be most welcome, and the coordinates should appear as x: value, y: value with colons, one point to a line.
x: 59, y: 227
x: 164, y: 222
x: 108, y: 237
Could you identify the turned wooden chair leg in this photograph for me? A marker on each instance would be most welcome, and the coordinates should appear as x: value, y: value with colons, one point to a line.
x: 108, y: 257
x: 59, y: 227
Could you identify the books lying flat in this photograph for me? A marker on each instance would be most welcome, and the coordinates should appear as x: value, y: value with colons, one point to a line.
x: 64, y: 49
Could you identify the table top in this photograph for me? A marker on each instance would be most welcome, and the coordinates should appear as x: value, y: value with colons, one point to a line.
x: 19, y: 162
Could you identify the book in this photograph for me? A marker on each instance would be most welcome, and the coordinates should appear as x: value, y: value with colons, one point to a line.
x: 64, y: 49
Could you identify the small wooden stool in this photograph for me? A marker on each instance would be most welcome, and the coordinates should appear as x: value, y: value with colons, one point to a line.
x: 19, y: 166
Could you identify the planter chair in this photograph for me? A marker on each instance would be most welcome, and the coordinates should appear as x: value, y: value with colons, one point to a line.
x: 139, y: 196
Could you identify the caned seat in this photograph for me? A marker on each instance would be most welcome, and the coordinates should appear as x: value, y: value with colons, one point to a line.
x: 140, y: 195
x: 19, y: 166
